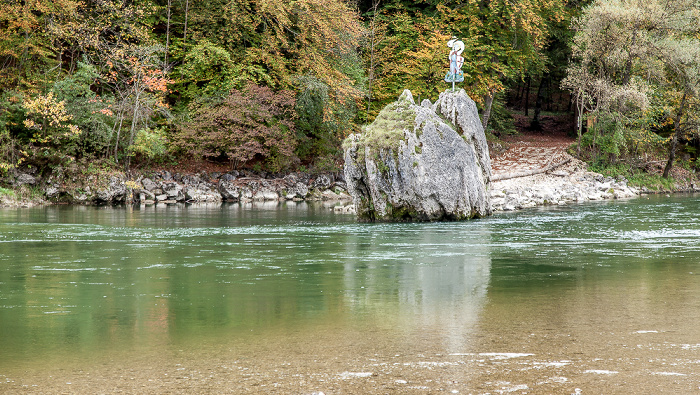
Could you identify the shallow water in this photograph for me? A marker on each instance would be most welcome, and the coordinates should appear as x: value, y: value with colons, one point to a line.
x: 595, y: 298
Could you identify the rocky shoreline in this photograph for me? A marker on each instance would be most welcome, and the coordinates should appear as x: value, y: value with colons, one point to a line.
x: 163, y: 187
x: 570, y: 183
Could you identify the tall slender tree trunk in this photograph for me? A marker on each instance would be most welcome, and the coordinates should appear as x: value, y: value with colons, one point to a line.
x: 579, y: 119
x: 370, y: 79
x: 167, y: 37
x: 119, y: 130
x: 187, y: 8
x: 134, y: 120
x: 676, y: 137
x: 535, y: 124
x: 488, y: 103
x: 527, y: 95
x: 627, y: 75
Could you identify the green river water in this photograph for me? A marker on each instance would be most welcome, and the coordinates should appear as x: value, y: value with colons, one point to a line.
x: 294, y: 299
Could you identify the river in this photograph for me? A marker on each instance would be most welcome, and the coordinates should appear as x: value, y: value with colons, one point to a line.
x: 295, y: 299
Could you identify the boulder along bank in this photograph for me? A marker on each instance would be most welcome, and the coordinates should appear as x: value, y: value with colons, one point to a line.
x: 420, y: 162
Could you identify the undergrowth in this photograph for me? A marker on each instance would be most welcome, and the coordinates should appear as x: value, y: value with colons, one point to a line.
x: 635, y: 176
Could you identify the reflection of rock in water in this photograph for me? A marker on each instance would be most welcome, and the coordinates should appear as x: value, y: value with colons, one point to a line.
x: 428, y: 278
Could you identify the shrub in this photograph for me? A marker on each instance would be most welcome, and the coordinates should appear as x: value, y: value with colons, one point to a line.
x: 54, y: 135
x: 501, y: 121
x: 149, y: 144
x: 255, y: 123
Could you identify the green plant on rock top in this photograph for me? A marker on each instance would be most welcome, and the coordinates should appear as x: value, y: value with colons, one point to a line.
x: 387, y: 130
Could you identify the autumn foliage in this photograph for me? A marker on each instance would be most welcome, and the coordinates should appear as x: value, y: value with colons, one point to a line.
x: 277, y: 83
x: 254, y: 123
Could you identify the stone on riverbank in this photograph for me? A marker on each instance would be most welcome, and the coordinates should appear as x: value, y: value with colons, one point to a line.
x: 412, y: 163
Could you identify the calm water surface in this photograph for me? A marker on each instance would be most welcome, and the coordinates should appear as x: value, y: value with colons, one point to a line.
x: 294, y: 299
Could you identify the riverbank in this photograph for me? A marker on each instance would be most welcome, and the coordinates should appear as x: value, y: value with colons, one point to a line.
x: 109, y: 187
x: 566, y: 180
x: 569, y: 183
x: 565, y: 184
x: 535, y: 170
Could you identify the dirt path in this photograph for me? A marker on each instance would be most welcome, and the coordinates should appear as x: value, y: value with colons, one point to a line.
x: 531, y: 151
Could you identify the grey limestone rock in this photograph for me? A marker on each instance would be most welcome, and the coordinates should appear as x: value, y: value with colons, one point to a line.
x: 323, y: 181
x: 194, y: 194
x: 413, y: 164
x: 114, y: 192
x: 229, y: 191
x: 148, y: 184
x: 297, y: 190
x: 25, y: 179
x: 174, y: 191
x: 266, y: 193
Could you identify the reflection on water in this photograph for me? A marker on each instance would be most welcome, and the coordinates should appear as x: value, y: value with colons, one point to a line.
x: 545, y: 301
x: 419, y: 273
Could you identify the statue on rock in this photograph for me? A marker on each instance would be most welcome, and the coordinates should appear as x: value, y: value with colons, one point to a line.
x: 426, y: 162
x: 456, y: 61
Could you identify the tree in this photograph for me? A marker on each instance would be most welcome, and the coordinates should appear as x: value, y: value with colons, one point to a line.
x: 29, y: 53
x: 503, y: 40
x: 287, y: 39
x: 140, y: 85
x: 625, y: 50
x: 114, y: 38
x: 90, y: 111
x: 53, y: 130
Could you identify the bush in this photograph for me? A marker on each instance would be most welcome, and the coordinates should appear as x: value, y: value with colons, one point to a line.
x: 210, y: 70
x: 605, y: 140
x: 12, y: 116
x: 255, y: 123
x: 149, y: 145
x: 501, y: 121
x: 54, y: 135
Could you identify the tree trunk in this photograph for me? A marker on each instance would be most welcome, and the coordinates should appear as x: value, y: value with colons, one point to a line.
x: 134, y: 120
x: 527, y: 94
x: 627, y: 75
x: 370, y: 74
x: 579, y: 120
x: 119, y: 130
x: 187, y: 7
x: 676, y: 137
x: 519, y: 95
x: 167, y: 38
x: 488, y: 103
x: 535, y: 124
x: 528, y: 173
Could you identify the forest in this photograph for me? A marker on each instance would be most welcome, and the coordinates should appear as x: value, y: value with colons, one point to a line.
x: 276, y: 85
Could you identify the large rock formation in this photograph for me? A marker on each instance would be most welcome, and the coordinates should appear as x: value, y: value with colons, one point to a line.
x: 413, y: 164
